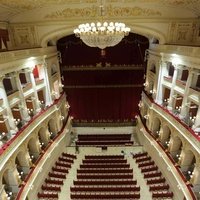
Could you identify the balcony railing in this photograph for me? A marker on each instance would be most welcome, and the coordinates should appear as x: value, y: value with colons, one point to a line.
x: 187, y: 185
x: 34, y: 169
x: 20, y: 134
x: 175, y: 118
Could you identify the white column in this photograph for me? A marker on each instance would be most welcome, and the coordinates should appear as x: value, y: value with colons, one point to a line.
x: 25, y: 115
x: 184, y: 110
x: 48, y: 98
x: 196, y: 125
x: 172, y: 87
x: 13, y: 127
x: 37, y: 102
x: 162, y: 72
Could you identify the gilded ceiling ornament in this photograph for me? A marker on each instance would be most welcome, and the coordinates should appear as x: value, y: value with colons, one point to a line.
x: 110, y: 12
x: 181, y: 2
x: 75, y: 12
x: 29, y: 5
x: 128, y: 11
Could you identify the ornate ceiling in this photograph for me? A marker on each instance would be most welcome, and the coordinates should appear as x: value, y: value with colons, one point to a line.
x: 54, y: 10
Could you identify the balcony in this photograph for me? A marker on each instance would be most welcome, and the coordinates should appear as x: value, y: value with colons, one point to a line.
x: 168, y: 79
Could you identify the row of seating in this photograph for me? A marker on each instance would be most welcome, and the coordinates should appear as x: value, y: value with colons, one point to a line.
x: 52, y: 185
x: 105, y: 177
x: 104, y: 143
x: 105, y: 165
x: 105, y: 197
x: 99, y: 189
x: 104, y: 161
x: 104, y: 182
x: 103, y: 139
x: 107, y: 157
x: 104, y: 171
x: 107, y: 136
x: 140, y: 154
x: 153, y: 176
x: 94, y: 138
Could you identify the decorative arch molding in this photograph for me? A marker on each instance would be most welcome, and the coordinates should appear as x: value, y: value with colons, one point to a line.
x: 177, y: 142
x: 56, y: 34
x: 166, y: 132
x: 188, y: 148
x: 52, y: 125
x: 43, y: 134
x: 7, y: 167
x: 22, y: 159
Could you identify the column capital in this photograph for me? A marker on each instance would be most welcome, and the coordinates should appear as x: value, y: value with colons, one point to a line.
x: 1, y: 78
x: 15, y: 74
x: 45, y: 65
x: 194, y: 71
x: 162, y: 62
x: 28, y: 70
x: 177, y: 66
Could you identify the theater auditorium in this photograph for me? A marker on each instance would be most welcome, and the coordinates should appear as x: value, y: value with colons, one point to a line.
x: 100, y: 99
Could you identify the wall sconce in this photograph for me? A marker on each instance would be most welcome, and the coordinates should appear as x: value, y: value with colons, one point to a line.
x: 41, y: 144
x: 140, y: 104
x: 146, y: 116
x: 145, y: 84
x: 54, y: 93
x: 166, y: 100
x: 193, y: 119
x: 152, y: 91
x: 31, y: 158
x: 178, y: 108
x: 178, y: 156
x: 67, y: 106
x: 158, y: 132
x: 9, y: 195
x: 41, y: 102
x: 62, y: 117
x: 167, y: 143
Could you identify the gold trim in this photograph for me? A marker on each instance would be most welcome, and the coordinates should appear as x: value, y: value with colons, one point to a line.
x: 99, y: 67
x: 102, y: 86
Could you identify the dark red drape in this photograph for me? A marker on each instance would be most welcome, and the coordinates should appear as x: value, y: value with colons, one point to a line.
x: 103, y: 103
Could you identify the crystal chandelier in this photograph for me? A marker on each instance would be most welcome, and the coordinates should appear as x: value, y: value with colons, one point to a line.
x: 101, y: 34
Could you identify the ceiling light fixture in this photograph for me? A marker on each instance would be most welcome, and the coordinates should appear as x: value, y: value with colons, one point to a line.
x: 102, y: 34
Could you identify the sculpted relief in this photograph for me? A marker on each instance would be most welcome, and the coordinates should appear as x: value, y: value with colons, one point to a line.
x: 183, y: 33
x: 23, y: 36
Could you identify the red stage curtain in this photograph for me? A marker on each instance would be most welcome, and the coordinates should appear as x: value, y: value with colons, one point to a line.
x: 103, y: 103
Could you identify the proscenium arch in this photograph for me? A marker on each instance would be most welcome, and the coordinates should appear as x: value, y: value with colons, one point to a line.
x: 64, y: 31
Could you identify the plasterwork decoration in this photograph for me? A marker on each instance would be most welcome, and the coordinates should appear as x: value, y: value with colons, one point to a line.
x: 76, y: 12
x: 110, y: 12
x: 29, y: 5
x: 182, y: 32
x: 182, y: 2
x: 24, y: 36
